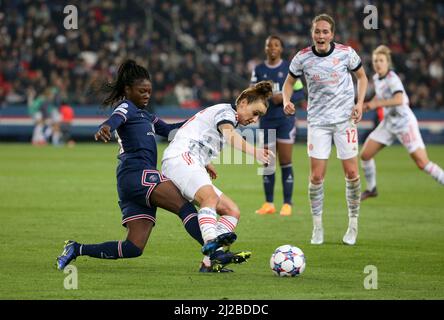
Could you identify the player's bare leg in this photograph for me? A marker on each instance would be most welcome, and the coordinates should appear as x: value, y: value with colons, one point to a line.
x: 139, y: 231
x: 370, y: 149
x: 230, y: 214
x: 353, y: 197
x: 316, y: 195
x: 207, y: 216
x: 423, y: 163
x: 168, y: 197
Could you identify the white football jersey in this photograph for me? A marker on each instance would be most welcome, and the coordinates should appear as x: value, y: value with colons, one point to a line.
x: 200, y: 135
x: 330, y: 86
x: 397, y: 117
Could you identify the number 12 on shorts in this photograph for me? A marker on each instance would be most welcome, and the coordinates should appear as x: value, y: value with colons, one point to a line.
x: 351, y: 135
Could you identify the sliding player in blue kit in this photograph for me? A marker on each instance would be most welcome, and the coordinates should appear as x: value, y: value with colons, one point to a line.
x: 276, y: 69
x: 141, y: 187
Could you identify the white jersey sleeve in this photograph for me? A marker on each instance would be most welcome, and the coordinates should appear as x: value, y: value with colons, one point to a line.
x: 200, y: 134
x: 396, y: 117
x: 354, y: 61
x: 296, y: 66
x: 225, y: 115
x: 395, y: 85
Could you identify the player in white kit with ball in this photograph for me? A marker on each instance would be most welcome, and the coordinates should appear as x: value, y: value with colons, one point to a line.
x: 187, y: 162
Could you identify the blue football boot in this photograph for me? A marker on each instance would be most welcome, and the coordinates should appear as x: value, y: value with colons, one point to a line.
x: 67, y: 255
x: 225, y: 239
x: 204, y: 268
x: 220, y: 259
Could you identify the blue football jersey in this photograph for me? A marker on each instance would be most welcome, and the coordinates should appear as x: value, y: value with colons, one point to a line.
x: 277, y: 74
x: 136, y: 129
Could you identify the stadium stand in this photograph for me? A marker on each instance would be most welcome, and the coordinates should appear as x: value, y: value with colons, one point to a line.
x: 201, y: 52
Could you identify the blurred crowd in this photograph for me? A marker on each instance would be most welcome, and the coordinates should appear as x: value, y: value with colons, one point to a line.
x: 200, y: 52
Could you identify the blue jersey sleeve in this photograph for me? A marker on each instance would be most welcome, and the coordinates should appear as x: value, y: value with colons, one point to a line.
x: 120, y: 115
x: 163, y: 129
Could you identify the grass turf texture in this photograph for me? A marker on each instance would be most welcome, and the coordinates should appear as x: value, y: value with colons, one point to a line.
x: 52, y: 194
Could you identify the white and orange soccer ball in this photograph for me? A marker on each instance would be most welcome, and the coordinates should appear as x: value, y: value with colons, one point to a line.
x: 287, y: 261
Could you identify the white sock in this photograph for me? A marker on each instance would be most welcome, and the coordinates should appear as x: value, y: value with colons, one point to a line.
x: 435, y: 171
x: 206, y: 261
x: 226, y: 224
x: 207, y: 223
x: 369, y: 168
x: 353, y: 222
x: 317, y: 221
x: 353, y: 196
x: 56, y: 138
x: 316, y: 195
x: 37, y: 135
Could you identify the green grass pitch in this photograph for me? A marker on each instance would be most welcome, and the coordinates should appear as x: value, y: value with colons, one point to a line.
x: 51, y: 194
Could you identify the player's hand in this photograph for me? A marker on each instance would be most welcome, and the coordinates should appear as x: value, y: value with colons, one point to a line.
x: 289, y: 108
x: 265, y: 156
x: 211, y: 171
x: 357, y: 113
x: 103, y: 134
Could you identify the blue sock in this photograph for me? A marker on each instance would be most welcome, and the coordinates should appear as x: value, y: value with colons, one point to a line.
x: 188, y: 215
x: 268, y: 181
x: 287, y: 182
x: 109, y: 250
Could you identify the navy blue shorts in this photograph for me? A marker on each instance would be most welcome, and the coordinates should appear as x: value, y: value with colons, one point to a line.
x: 134, y: 188
x: 285, y: 130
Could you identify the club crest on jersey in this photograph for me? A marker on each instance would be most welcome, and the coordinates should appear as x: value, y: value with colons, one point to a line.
x: 153, y: 178
x: 280, y: 74
x: 335, y: 61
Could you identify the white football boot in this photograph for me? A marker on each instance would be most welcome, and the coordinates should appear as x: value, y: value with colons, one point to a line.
x: 317, y: 236
x: 352, y: 232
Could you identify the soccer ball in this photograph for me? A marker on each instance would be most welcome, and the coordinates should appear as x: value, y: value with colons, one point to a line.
x: 287, y: 261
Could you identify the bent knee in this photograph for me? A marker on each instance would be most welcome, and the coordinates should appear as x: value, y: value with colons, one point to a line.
x: 230, y: 210
x: 352, y: 174
x: 365, y: 156
x: 210, y: 202
x: 235, y: 212
x: 316, y: 179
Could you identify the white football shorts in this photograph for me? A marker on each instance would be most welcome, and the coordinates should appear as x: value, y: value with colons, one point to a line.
x: 344, y: 135
x: 187, y: 174
x: 410, y: 136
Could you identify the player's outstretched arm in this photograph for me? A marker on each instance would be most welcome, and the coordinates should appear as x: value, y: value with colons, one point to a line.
x: 287, y: 92
x: 362, y: 82
x: 394, y: 101
x: 236, y: 140
x: 164, y: 129
x: 115, y: 121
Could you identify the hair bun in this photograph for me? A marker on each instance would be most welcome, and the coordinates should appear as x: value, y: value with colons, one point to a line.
x: 264, y: 88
